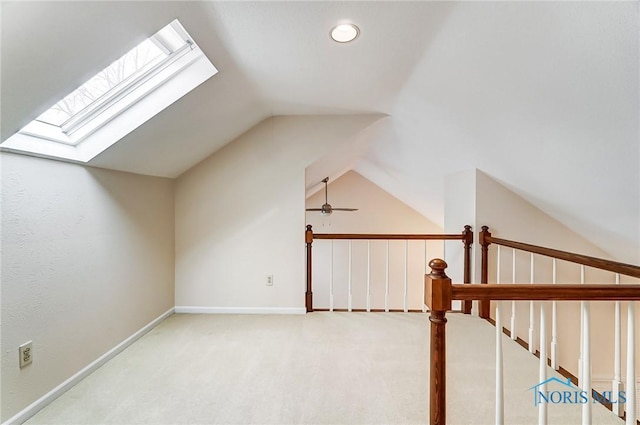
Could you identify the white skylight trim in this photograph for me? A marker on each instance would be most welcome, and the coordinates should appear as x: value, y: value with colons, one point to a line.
x: 116, y: 101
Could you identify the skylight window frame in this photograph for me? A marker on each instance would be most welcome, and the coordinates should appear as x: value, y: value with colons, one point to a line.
x: 120, y: 113
x: 117, y: 86
x: 112, y: 95
x: 90, y: 116
x: 117, y: 93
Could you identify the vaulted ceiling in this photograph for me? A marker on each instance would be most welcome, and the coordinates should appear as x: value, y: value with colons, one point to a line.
x: 543, y: 96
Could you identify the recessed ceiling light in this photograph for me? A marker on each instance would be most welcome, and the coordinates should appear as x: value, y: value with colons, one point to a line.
x: 345, y: 33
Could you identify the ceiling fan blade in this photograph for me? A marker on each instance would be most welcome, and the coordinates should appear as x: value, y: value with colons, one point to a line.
x: 327, y: 209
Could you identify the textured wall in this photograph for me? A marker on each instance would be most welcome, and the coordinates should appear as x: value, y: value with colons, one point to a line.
x: 87, y: 260
x: 460, y: 210
x: 240, y: 214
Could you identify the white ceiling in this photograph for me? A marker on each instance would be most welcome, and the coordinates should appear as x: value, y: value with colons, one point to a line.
x: 543, y: 96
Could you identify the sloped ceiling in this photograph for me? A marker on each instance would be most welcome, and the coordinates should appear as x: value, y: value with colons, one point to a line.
x: 542, y: 96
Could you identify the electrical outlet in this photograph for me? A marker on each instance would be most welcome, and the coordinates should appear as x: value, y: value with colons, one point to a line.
x: 270, y: 280
x: 26, y: 354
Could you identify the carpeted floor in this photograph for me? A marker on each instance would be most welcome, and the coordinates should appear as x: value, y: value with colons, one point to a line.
x: 319, y: 368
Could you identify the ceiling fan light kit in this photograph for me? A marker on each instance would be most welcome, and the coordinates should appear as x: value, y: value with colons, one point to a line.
x: 326, y: 208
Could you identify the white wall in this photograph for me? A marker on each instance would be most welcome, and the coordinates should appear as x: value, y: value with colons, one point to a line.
x: 460, y: 210
x: 87, y: 260
x: 378, y: 212
x: 240, y: 215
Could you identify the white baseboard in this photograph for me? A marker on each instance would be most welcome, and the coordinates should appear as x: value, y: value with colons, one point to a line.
x: 45, y: 400
x: 240, y: 310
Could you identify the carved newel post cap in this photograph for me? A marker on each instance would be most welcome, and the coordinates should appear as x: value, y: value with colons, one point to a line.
x: 485, y: 228
x: 308, y: 227
x: 438, y: 267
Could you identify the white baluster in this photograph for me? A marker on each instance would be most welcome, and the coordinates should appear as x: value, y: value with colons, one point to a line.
x: 631, y: 365
x: 616, y: 385
x: 532, y: 317
x: 499, y: 363
x: 331, y: 279
x: 368, y: 275
x: 499, y: 368
x: 554, y: 326
x: 350, y: 297
x: 586, y: 362
x: 386, y: 284
x: 542, y: 407
x: 513, y: 303
x: 406, y: 275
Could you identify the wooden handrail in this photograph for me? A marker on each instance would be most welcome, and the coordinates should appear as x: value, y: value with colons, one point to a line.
x: 439, y: 293
x: 546, y: 292
x: 376, y: 236
x: 585, y: 260
x: 466, y: 237
x: 486, y: 239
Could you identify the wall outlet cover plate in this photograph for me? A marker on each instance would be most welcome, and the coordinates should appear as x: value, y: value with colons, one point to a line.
x: 26, y: 354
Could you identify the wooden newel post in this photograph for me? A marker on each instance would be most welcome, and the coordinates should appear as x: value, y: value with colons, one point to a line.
x: 308, y: 237
x: 485, y: 305
x: 467, y: 240
x: 437, y: 297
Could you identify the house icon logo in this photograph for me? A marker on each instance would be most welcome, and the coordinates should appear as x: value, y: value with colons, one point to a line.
x: 541, y: 395
x: 564, y: 392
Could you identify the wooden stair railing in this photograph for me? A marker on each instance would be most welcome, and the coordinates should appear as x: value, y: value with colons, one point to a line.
x: 440, y: 292
x: 466, y: 237
x: 485, y: 239
x: 584, y: 376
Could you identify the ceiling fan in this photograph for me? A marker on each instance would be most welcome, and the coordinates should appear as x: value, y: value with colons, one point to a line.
x: 327, y: 209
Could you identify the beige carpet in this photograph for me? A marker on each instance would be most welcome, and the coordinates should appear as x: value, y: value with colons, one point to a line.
x: 320, y: 368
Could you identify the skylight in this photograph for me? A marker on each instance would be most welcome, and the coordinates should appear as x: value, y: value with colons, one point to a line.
x: 100, y: 112
x: 146, y: 54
